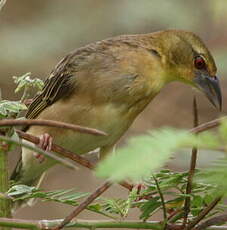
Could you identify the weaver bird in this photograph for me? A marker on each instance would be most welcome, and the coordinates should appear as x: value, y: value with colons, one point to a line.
x: 107, y: 84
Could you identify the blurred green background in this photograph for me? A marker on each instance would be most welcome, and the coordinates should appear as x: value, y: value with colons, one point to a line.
x: 35, y: 35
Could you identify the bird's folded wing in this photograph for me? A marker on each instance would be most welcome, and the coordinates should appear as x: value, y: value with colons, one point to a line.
x: 58, y: 85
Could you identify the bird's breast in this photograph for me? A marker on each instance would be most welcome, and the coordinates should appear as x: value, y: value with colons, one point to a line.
x: 112, y: 118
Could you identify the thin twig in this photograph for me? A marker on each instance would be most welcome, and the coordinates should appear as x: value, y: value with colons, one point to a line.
x: 39, y: 150
x: 68, y: 154
x: 84, y: 204
x: 50, y: 123
x: 217, y: 220
x: 162, y: 200
x: 12, y: 122
x: 192, y: 167
x: 203, y: 213
x: 208, y: 125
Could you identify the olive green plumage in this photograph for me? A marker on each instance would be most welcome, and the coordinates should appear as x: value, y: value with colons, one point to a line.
x: 107, y: 84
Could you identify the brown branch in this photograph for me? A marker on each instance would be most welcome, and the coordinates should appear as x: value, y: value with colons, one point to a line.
x: 58, y: 149
x: 217, y: 220
x: 68, y: 154
x: 50, y: 123
x: 208, y: 125
x: 203, y: 213
x: 84, y: 204
x: 192, y: 167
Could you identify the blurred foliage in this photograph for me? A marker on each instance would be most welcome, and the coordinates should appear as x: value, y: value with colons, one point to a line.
x: 217, y: 174
x: 145, y: 154
x: 142, y: 155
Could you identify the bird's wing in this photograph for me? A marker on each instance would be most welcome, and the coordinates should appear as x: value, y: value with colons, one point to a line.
x: 58, y: 85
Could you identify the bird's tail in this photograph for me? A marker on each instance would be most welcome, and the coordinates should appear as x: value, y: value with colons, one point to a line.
x: 16, y: 174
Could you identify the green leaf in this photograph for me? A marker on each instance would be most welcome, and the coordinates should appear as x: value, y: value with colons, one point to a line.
x: 131, y: 198
x: 216, y: 176
x: 64, y: 196
x: 149, y: 207
x: 18, y: 190
x: 209, y: 198
x: 197, y: 201
x: 7, y: 107
x: 100, y: 209
x: 25, y: 81
x: 120, y: 206
x: 115, y: 206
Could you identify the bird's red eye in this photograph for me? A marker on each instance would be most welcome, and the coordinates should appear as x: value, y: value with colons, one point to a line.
x: 199, y: 62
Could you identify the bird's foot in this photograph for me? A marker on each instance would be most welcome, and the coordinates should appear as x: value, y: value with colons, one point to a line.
x: 45, y: 143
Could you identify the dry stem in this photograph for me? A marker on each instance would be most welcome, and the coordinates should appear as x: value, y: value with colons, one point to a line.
x: 58, y: 124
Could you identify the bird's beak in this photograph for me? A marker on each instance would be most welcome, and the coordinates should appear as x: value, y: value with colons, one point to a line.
x: 210, y: 87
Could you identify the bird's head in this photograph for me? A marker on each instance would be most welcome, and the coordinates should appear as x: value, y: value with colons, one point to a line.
x: 186, y: 58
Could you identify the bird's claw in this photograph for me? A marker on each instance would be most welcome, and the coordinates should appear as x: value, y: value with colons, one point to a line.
x: 45, y: 143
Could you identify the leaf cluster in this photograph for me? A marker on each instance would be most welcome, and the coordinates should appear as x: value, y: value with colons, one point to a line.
x: 105, y: 207
x: 25, y: 81
x: 10, y: 108
x: 173, y: 187
x: 145, y: 154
